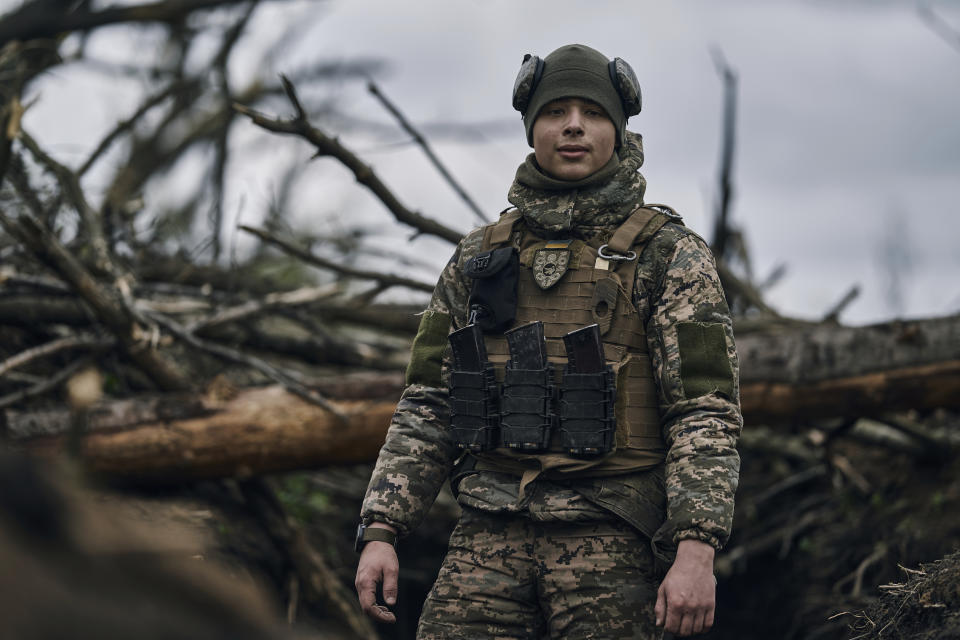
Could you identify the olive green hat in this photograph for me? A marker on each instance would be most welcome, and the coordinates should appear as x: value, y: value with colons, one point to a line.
x: 575, y: 71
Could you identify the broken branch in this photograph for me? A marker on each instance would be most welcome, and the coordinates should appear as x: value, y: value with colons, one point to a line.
x: 327, y: 146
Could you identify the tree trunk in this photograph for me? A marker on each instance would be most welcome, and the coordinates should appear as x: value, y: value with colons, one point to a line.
x: 819, y: 352
x: 260, y: 430
x: 816, y: 372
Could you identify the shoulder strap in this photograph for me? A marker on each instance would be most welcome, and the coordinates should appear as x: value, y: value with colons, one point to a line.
x: 499, y: 232
x: 640, y: 227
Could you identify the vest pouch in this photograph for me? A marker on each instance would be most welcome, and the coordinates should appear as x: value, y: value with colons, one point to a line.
x: 526, y: 413
x: 587, y: 419
x: 493, y: 296
x: 473, y: 409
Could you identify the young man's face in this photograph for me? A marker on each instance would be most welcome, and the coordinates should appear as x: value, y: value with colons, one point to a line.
x: 573, y: 138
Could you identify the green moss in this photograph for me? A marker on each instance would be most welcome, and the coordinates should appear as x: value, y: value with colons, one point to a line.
x: 302, y: 501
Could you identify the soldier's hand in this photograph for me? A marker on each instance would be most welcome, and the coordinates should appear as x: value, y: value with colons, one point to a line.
x: 378, y: 565
x: 687, y: 596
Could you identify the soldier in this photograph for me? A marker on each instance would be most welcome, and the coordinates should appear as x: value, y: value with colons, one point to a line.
x: 551, y: 542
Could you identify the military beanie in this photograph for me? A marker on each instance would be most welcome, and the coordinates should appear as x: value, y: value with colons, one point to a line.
x: 576, y: 71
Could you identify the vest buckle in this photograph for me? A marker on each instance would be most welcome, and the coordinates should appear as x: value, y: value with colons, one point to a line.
x: 616, y: 257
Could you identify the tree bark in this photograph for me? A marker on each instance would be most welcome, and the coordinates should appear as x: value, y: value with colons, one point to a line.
x: 800, y: 355
x: 789, y: 377
x: 259, y: 431
x: 871, y: 394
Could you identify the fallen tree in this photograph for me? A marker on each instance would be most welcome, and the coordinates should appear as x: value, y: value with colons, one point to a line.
x: 258, y: 430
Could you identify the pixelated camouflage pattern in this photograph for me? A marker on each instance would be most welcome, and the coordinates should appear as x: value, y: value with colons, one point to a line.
x: 414, y: 462
x: 586, y: 211
x: 545, y: 501
x: 513, y: 577
x: 676, y: 282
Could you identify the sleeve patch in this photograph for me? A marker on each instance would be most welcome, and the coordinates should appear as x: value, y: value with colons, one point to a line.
x: 426, y: 356
x: 704, y: 363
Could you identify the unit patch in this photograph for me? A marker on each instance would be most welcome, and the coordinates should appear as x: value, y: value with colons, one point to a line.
x: 549, y: 265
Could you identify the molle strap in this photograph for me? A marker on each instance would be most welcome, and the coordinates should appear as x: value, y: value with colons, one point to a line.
x: 499, y: 233
x: 638, y: 228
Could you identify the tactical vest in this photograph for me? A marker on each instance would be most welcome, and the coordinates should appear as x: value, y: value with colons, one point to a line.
x: 592, y: 289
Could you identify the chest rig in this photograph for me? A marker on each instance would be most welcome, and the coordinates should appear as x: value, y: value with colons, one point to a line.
x: 568, y: 284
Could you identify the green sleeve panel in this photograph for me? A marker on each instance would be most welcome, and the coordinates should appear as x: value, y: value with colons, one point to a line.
x: 704, y: 363
x: 426, y: 357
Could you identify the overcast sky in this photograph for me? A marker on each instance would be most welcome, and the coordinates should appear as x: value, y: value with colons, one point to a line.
x: 848, y: 153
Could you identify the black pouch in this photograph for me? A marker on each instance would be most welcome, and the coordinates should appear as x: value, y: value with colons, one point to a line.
x: 474, y: 415
x: 493, y: 297
x: 526, y: 414
x: 587, y: 419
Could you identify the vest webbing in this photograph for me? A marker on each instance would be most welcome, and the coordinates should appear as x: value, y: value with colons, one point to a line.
x: 567, y: 305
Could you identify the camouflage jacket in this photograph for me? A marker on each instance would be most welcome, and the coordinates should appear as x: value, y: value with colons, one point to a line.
x: 677, y: 287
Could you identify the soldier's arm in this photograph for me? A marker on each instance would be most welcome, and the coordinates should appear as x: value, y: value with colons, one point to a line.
x: 691, y: 343
x: 418, y: 453
x: 690, y: 335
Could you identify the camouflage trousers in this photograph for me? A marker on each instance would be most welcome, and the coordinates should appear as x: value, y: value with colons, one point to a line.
x: 506, y: 576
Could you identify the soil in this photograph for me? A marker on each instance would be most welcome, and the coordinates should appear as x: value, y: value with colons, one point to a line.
x: 926, y: 606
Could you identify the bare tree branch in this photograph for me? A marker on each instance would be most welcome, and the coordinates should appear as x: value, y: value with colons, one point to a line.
x: 940, y: 26
x: 220, y: 62
x: 46, y: 385
x: 327, y: 146
x: 70, y: 184
x: 19, y: 63
x: 306, y: 256
x: 289, y: 379
x: 126, y: 125
x: 833, y: 315
x: 55, y: 346
x: 47, y: 19
x: 306, y: 295
x: 721, y: 229
x: 152, y: 155
x: 409, y: 128
x: 734, y: 285
x: 106, y: 303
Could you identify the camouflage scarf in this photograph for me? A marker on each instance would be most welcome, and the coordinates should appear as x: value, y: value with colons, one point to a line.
x: 554, y: 208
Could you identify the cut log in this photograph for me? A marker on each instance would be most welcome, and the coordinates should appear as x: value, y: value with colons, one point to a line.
x: 259, y: 431
x: 791, y: 377
x: 798, y: 373
x: 806, y: 354
x: 870, y: 394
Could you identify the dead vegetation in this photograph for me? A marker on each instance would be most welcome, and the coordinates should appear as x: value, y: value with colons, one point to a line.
x: 197, y: 370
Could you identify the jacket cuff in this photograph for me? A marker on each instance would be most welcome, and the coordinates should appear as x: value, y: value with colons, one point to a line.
x: 697, y: 534
x: 402, y: 529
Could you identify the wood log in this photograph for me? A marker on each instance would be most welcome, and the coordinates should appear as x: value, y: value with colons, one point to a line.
x: 259, y: 431
x: 792, y: 377
x: 167, y: 408
x: 870, y: 394
x: 807, y: 354
x: 269, y: 429
x: 792, y: 373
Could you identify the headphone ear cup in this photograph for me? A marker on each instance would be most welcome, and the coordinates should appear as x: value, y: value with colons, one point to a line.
x: 526, y: 82
x: 626, y: 83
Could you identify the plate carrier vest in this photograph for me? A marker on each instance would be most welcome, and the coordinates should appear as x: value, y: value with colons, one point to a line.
x: 593, y: 290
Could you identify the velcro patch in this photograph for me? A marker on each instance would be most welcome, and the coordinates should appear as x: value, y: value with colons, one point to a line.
x: 704, y: 363
x: 426, y: 356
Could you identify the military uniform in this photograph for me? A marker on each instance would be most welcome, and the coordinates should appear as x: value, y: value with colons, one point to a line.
x: 577, y: 555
